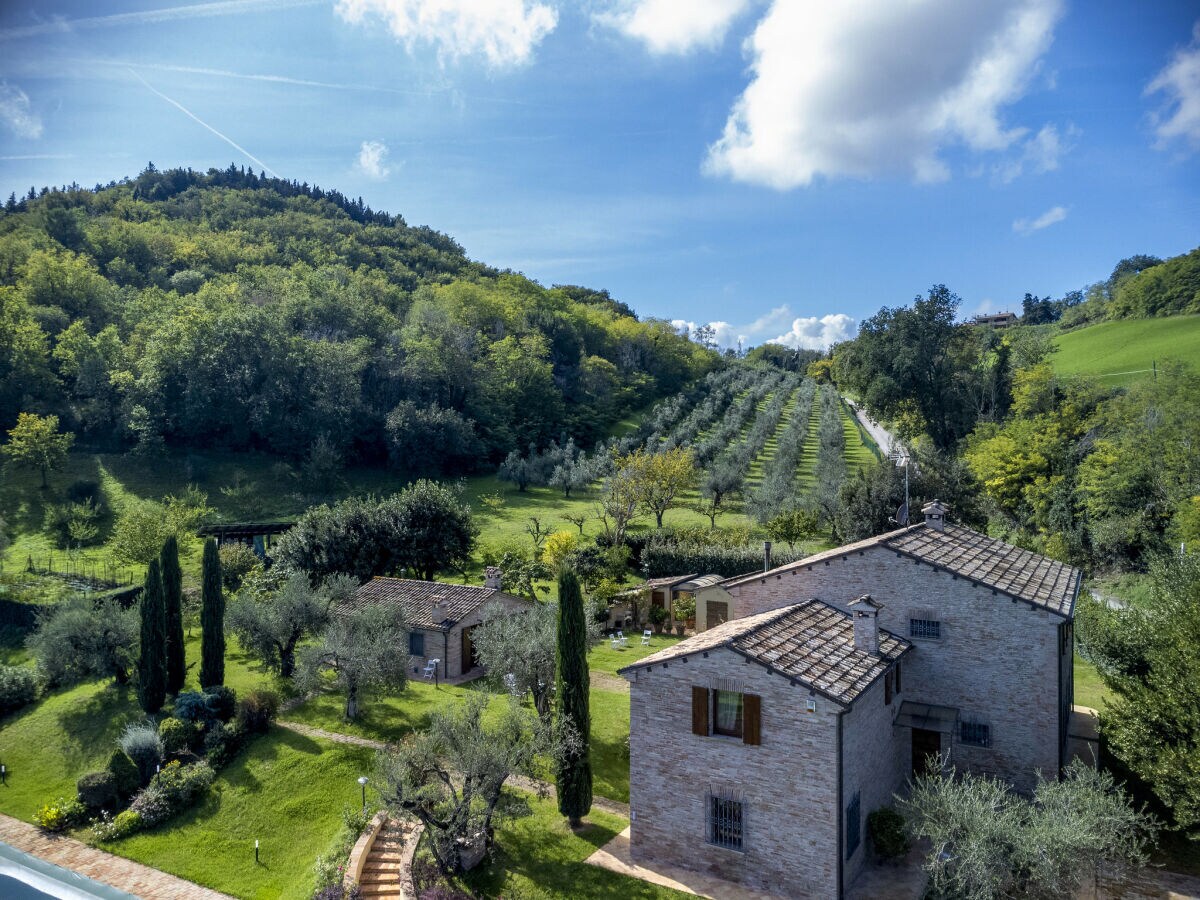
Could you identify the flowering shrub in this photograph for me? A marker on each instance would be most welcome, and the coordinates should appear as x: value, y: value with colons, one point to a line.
x: 173, y: 789
x: 141, y: 743
x: 18, y: 686
x: 111, y: 828
x: 176, y: 735
x: 60, y: 815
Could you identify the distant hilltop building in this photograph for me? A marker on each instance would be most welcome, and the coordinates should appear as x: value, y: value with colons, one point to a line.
x: 996, y: 320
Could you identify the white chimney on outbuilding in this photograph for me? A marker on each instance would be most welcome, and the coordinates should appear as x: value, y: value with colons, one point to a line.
x: 493, y: 578
x: 439, y: 611
x: 866, y: 624
x: 935, y: 514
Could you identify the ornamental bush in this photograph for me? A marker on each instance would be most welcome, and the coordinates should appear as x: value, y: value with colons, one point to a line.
x: 176, y: 735
x: 126, y: 778
x: 190, y: 706
x: 60, y: 815
x: 222, y: 744
x: 221, y: 702
x: 18, y: 687
x: 141, y: 743
x: 97, y: 790
x: 172, y: 790
x: 122, y: 825
x: 888, y: 834
x: 256, y: 710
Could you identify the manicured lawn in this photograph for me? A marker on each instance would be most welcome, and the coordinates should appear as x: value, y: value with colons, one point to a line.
x: 1090, y: 689
x: 48, y: 745
x: 605, y: 658
x: 538, y: 856
x: 610, y: 752
x: 286, y: 791
x: 1128, y: 346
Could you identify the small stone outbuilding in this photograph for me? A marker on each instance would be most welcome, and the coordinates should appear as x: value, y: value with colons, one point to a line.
x: 440, y: 617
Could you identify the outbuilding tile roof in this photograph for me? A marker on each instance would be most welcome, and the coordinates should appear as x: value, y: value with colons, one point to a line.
x: 988, y: 561
x: 417, y: 598
x: 810, y: 642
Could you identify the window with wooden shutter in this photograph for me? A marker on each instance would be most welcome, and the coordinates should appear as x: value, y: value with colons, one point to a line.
x: 752, y: 719
x: 700, y: 710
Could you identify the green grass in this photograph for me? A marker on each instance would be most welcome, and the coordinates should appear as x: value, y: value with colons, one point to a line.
x: 539, y: 856
x: 286, y: 791
x: 1128, y: 346
x: 1090, y: 689
x: 605, y: 658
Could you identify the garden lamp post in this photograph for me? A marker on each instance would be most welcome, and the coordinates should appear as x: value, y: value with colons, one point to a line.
x: 362, y: 782
x: 256, y: 851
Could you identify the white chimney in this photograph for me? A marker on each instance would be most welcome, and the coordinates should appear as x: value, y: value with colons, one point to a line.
x: 493, y: 578
x: 935, y: 514
x: 439, y: 611
x: 866, y: 624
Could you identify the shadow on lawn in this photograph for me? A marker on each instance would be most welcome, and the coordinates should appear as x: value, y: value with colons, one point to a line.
x: 93, y: 726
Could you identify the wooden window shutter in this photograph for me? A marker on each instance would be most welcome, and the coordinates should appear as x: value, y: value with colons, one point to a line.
x: 751, y: 719
x: 700, y: 710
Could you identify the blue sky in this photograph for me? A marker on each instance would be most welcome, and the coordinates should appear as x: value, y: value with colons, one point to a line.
x: 782, y: 168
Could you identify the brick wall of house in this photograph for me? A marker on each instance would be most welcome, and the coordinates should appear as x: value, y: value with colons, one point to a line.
x: 450, y: 652
x: 788, y: 782
x: 876, y: 761
x: 997, y: 660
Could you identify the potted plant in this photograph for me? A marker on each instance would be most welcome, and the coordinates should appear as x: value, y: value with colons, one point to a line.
x: 685, y: 613
x: 658, y: 616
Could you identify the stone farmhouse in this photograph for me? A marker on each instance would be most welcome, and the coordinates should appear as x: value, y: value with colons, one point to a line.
x: 759, y: 746
x: 440, y: 617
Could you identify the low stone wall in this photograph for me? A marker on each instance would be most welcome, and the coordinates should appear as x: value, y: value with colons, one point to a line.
x: 362, y: 849
x: 1149, y: 883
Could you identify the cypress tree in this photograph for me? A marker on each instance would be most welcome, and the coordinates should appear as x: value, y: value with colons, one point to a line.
x: 172, y: 581
x: 574, y: 781
x: 212, y: 620
x: 152, y: 664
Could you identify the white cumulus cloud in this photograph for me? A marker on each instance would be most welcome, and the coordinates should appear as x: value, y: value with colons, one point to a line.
x: 504, y: 32
x: 670, y: 26
x: 812, y: 333
x: 860, y: 88
x: 17, y: 113
x: 1045, y: 220
x: 372, y: 158
x: 1180, y: 82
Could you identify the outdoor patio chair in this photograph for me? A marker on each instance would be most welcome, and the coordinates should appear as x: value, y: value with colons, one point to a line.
x: 646, y: 638
x: 623, y: 641
x: 431, y: 669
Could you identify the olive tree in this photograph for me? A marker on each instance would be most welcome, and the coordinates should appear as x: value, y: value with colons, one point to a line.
x: 361, y: 651
x: 987, y: 841
x: 79, y: 640
x: 520, y: 645
x: 271, y: 623
x: 451, y: 776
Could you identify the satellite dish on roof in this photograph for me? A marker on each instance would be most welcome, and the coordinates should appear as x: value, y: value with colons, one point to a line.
x: 902, y: 515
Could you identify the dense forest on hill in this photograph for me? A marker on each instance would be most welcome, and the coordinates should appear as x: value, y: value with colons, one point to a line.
x: 231, y: 310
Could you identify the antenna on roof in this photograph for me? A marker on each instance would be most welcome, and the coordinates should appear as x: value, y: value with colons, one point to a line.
x: 899, y: 456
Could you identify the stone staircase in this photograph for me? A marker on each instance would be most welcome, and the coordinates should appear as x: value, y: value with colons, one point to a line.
x: 381, y: 870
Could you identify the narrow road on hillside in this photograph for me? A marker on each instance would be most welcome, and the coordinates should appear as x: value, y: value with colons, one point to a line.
x: 880, y: 435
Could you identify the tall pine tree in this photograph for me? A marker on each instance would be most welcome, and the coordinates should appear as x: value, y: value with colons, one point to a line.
x: 152, y: 664
x: 574, y: 776
x: 212, y: 620
x: 172, y: 580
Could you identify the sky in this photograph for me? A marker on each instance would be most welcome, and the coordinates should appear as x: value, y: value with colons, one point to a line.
x: 779, y: 168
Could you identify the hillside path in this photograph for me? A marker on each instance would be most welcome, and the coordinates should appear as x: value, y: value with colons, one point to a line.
x: 532, y: 785
x: 123, y: 874
x: 880, y: 435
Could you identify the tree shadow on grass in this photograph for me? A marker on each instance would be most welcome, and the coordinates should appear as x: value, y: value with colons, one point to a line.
x: 91, y: 728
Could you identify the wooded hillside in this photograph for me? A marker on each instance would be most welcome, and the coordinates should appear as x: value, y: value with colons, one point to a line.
x: 231, y: 310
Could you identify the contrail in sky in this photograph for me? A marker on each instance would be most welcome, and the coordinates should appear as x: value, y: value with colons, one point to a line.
x: 230, y: 141
x: 150, y: 16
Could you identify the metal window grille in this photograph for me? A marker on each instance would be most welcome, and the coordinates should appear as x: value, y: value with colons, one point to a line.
x: 416, y: 643
x: 853, y: 825
x: 975, y: 733
x: 725, y: 822
x: 925, y: 628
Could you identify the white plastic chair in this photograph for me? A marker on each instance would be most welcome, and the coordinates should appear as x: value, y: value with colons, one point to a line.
x: 624, y: 641
x: 431, y: 669
x: 646, y: 638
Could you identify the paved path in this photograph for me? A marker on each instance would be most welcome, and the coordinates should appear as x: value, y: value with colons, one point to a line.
x: 124, y: 874
x: 532, y: 785
x: 880, y: 435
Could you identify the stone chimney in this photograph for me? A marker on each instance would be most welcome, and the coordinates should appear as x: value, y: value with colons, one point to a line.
x: 866, y: 624
x: 935, y: 514
x: 766, y: 556
x: 493, y: 578
x: 439, y: 611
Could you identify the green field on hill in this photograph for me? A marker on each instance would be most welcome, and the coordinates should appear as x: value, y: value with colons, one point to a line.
x: 1127, y: 349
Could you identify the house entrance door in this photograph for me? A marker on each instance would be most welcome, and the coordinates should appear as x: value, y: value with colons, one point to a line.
x: 926, y: 750
x: 470, y: 658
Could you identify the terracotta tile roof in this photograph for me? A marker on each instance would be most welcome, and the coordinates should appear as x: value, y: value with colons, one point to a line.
x: 988, y: 561
x: 1019, y: 573
x: 810, y: 642
x: 416, y: 598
